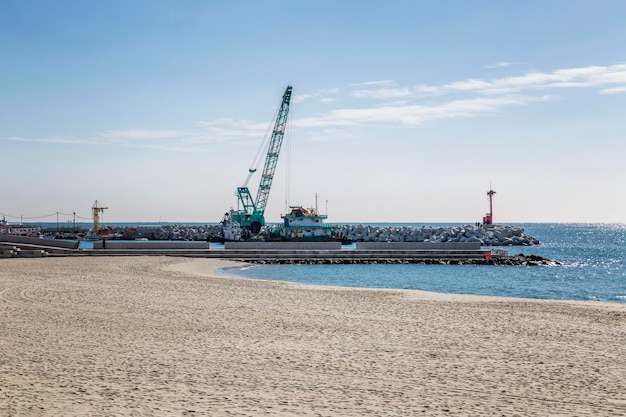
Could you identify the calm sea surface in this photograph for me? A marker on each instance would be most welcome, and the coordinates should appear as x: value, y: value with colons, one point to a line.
x: 592, y: 256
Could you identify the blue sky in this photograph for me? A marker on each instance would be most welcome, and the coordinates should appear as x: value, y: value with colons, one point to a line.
x: 403, y: 111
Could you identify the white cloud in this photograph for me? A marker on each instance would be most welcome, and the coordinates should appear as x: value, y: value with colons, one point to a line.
x: 173, y: 147
x: 415, y: 114
x: 299, y: 98
x: 370, y: 83
x: 325, y: 95
x: 383, y: 93
x: 225, y: 129
x: 142, y: 134
x: 408, y: 106
x: 427, y: 89
x: 561, y: 78
x: 583, y: 77
x: 468, y: 85
x: 614, y: 90
x: 54, y: 140
x: 501, y: 64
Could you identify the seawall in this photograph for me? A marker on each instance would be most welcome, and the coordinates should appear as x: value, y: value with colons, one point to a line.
x: 286, y: 252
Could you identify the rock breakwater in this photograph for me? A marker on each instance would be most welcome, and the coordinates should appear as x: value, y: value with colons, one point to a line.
x: 487, y: 236
x: 182, y: 232
x: 495, y: 235
x: 517, y: 260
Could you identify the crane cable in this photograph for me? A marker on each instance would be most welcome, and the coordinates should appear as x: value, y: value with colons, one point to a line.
x: 288, y: 149
x: 262, y: 149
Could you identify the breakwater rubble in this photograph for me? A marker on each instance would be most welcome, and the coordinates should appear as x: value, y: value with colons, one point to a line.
x: 181, y: 232
x: 492, y: 235
x: 516, y: 260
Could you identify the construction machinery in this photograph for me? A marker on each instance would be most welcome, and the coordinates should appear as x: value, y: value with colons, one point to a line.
x: 250, y: 212
x: 96, y: 209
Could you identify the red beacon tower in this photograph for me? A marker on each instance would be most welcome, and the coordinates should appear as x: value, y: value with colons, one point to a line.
x: 488, y: 219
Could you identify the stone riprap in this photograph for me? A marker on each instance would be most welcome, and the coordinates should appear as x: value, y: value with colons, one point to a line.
x: 181, y: 232
x: 487, y: 236
x: 495, y: 235
x: 517, y: 260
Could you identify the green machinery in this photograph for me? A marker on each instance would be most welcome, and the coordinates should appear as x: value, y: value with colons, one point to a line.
x: 250, y: 213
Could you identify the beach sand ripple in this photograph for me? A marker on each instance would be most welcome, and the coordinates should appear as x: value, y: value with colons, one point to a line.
x: 145, y: 336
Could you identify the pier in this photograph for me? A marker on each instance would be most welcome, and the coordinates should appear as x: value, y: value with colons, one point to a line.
x: 278, y: 252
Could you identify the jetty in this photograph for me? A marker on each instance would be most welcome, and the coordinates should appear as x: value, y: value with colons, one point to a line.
x: 277, y: 252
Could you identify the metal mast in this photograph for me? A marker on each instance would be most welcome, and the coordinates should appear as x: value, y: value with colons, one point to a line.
x: 488, y: 218
x: 252, y: 215
x: 96, y: 209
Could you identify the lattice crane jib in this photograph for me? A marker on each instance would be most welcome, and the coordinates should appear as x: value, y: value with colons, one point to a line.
x: 96, y: 210
x: 251, y: 216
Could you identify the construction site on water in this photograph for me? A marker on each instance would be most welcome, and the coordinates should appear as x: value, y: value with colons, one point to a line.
x: 247, y: 221
x: 302, y: 233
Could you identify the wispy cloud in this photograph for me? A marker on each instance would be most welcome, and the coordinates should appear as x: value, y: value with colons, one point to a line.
x: 593, y: 76
x: 326, y: 95
x: 142, y: 134
x: 55, y: 140
x: 501, y: 64
x: 178, y: 145
x: 614, y: 90
x: 383, y: 93
x: 371, y: 83
x: 415, y: 114
x: 181, y: 147
x: 393, y: 106
x: 221, y: 129
x: 197, y: 139
x: 472, y: 97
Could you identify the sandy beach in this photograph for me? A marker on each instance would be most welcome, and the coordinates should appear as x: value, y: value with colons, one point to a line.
x: 151, y: 336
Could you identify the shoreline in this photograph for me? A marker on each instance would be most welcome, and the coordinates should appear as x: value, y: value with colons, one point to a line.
x: 158, y: 335
x: 424, y: 294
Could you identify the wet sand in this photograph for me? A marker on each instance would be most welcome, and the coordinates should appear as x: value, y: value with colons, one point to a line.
x: 146, y: 336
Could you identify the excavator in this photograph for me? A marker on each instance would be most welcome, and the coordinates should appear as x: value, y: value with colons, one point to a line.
x: 250, y: 212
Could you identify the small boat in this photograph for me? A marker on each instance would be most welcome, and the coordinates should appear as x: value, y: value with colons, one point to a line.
x: 302, y: 224
x: 20, y: 230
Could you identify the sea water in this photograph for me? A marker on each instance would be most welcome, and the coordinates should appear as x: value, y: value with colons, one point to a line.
x: 592, y: 258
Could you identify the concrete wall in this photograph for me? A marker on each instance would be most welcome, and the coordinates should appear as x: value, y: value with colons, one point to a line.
x: 148, y: 244
x: 57, y: 243
x: 283, y: 245
x: 417, y: 245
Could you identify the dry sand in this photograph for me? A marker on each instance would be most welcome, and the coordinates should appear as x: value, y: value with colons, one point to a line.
x: 143, y: 336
